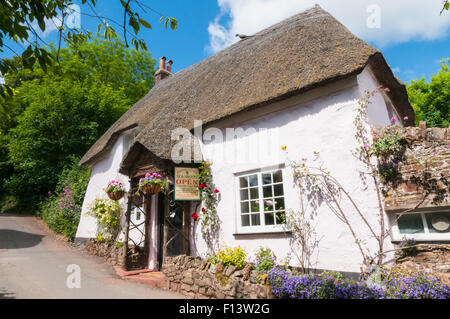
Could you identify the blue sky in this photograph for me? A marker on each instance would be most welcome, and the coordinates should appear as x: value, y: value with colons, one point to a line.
x: 413, y: 37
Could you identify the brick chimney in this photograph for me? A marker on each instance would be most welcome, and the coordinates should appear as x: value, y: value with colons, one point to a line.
x: 162, y: 72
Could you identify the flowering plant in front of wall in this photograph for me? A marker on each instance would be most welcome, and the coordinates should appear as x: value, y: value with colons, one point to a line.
x: 208, y: 217
x: 153, y: 183
x: 115, y: 189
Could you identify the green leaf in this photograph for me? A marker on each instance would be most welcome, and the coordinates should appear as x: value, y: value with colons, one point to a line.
x: 173, y: 23
x: 145, y: 23
x: 133, y: 22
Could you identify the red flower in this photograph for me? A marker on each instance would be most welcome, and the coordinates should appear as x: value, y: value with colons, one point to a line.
x: 202, y: 185
x: 216, y: 190
x: 203, y: 209
x: 194, y: 216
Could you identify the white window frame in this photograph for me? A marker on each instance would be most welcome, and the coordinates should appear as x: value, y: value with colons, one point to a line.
x: 425, y: 236
x: 280, y: 228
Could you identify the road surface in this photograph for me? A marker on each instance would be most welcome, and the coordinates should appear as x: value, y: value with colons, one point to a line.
x: 34, y: 264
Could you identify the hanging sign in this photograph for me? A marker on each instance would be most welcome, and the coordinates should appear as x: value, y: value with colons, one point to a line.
x: 186, y: 183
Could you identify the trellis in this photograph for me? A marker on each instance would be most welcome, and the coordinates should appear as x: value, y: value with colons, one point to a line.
x: 174, y: 222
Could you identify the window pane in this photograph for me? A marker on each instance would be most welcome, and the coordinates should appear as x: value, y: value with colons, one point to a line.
x: 410, y: 224
x: 267, y: 178
x: 254, y: 206
x: 253, y: 180
x: 244, y: 194
x: 269, y: 205
x: 278, y: 189
x: 244, y: 208
x: 267, y: 191
x: 268, y: 218
x: 277, y: 177
x: 243, y: 182
x: 254, y: 193
x: 245, y: 220
x: 280, y: 218
x: 279, y: 203
x: 438, y: 222
x: 255, y: 220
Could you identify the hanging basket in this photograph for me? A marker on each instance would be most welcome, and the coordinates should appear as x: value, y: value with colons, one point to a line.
x: 151, y: 189
x: 116, y: 195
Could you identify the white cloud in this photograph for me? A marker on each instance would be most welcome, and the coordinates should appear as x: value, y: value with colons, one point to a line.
x: 400, y: 20
x: 71, y: 20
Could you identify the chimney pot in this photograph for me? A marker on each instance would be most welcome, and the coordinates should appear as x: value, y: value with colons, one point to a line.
x: 162, y: 63
x: 169, y: 65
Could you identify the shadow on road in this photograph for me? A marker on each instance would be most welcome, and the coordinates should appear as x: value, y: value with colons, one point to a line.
x: 6, y: 295
x: 15, y: 239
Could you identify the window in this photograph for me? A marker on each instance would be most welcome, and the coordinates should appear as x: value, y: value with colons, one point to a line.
x: 423, y: 226
x: 261, y: 201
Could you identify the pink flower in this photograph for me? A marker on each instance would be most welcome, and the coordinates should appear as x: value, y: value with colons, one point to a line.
x: 406, y: 118
x: 147, y: 175
x: 393, y: 120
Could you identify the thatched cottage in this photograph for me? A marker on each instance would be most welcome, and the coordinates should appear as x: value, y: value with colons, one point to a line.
x: 295, y: 84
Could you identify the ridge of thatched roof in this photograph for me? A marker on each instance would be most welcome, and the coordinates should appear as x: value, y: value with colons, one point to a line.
x: 308, y: 50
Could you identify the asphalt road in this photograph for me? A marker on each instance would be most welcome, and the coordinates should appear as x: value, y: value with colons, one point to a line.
x: 34, y: 264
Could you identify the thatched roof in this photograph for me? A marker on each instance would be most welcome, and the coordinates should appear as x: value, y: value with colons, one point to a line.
x: 308, y: 50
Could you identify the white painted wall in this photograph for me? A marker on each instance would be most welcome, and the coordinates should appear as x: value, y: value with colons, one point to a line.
x: 324, y: 124
x: 102, y: 172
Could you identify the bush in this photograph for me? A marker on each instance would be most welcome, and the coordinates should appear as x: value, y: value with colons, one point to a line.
x: 413, y: 285
x: 9, y: 204
x: 62, y: 209
x: 230, y: 256
x: 285, y: 285
x: 395, y: 286
x: 265, y: 260
x: 108, y: 213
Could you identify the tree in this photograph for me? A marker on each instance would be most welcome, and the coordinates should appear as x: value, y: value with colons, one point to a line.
x: 18, y: 23
x: 431, y: 101
x: 445, y: 6
x: 67, y: 108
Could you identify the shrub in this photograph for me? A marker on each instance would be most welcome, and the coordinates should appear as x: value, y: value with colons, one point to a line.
x: 407, y: 246
x: 418, y: 285
x: 108, y: 213
x: 62, y: 209
x: 230, y: 256
x: 285, y: 285
x: 265, y: 260
x: 395, y: 286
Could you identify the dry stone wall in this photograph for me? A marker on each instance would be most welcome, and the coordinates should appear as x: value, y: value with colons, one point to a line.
x: 434, y: 259
x: 427, y: 156
x: 113, y: 254
x: 196, y: 278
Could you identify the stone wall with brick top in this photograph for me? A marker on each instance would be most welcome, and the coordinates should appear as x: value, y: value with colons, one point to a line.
x: 196, y: 278
x: 434, y: 259
x: 427, y: 151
